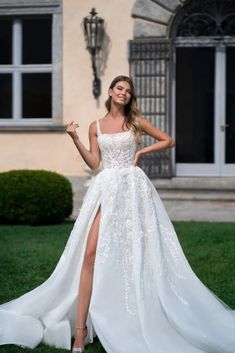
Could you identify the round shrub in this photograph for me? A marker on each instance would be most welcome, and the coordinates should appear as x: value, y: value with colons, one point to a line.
x: 34, y: 197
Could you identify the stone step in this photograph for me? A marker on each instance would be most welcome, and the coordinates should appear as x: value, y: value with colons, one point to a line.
x: 196, y: 188
x: 202, y: 195
x: 195, y: 183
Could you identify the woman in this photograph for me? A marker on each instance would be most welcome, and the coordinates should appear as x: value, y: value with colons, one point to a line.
x: 136, y: 290
x: 122, y: 115
x: 145, y: 297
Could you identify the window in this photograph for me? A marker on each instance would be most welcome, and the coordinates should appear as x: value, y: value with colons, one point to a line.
x: 29, y: 66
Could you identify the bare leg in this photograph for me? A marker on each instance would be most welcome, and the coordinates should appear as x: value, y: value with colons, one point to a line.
x: 86, y: 279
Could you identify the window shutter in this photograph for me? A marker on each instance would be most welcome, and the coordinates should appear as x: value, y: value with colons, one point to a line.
x: 149, y: 69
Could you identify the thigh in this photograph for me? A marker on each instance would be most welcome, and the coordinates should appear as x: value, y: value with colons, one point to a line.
x: 93, y: 235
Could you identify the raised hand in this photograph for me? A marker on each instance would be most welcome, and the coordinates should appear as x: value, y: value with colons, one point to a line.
x: 71, y: 129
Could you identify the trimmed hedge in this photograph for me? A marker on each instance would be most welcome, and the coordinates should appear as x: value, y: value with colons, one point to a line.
x: 34, y: 197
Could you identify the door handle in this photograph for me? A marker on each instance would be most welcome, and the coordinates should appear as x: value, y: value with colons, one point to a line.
x: 223, y: 127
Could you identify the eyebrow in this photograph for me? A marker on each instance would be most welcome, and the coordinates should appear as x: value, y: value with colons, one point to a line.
x: 124, y: 87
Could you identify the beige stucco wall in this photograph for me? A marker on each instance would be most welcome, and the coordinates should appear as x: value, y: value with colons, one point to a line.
x: 55, y: 151
x: 79, y: 104
x: 38, y: 151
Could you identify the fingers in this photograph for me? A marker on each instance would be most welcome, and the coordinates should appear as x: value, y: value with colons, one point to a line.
x: 72, y: 124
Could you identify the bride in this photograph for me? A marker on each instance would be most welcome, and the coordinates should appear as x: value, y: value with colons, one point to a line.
x: 123, y: 275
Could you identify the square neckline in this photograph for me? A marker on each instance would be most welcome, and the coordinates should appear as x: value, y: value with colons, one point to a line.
x: 110, y: 133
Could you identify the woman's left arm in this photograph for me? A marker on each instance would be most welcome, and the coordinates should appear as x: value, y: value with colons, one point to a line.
x: 164, y: 140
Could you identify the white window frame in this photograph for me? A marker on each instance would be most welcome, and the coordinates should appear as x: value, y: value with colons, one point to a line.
x: 33, y: 7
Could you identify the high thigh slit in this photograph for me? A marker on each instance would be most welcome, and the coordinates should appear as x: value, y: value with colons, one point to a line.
x: 91, y: 245
x: 98, y: 213
x: 145, y: 296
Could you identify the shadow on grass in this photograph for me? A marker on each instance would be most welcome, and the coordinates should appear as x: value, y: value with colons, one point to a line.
x: 95, y: 347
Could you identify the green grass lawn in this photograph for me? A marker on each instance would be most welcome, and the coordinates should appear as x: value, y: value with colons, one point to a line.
x: 28, y: 255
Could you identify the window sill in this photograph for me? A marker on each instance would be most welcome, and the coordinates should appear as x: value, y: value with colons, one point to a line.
x: 32, y: 128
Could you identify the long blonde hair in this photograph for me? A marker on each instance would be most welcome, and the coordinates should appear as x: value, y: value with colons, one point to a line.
x: 131, y: 112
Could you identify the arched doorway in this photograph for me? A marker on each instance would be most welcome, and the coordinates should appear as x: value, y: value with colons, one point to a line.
x: 203, y: 88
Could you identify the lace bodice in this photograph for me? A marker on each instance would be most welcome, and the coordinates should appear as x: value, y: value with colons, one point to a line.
x: 117, y: 149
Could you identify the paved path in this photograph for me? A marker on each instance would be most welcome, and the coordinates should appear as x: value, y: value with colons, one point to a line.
x: 212, y: 211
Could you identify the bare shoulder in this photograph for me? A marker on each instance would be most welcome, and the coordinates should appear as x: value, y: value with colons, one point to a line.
x: 145, y: 124
x: 93, y: 127
x: 153, y: 130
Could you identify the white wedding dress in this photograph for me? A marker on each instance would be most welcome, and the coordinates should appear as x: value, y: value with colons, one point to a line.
x: 145, y: 297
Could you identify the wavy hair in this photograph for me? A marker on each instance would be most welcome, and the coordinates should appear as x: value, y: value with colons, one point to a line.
x: 131, y: 112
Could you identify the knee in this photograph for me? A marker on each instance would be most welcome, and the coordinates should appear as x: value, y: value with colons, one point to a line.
x: 89, y: 259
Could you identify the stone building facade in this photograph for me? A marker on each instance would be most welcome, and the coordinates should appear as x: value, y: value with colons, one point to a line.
x: 179, y: 53
x: 182, y: 57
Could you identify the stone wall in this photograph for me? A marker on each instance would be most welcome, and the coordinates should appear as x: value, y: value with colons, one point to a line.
x: 152, y: 18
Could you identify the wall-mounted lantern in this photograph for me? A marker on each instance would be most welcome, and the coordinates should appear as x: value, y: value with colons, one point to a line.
x: 93, y: 27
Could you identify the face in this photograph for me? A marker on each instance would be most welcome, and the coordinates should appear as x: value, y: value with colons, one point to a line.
x: 121, y: 93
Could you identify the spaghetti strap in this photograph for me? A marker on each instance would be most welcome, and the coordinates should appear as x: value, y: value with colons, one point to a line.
x: 98, y: 127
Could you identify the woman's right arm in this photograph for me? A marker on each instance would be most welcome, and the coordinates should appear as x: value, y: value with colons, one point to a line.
x: 92, y: 156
